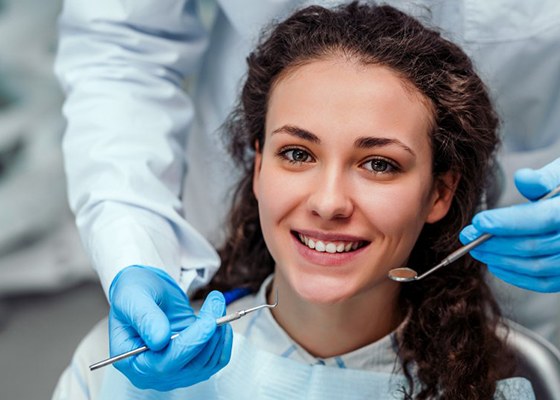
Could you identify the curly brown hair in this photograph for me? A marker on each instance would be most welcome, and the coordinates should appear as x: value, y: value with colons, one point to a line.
x: 448, y: 348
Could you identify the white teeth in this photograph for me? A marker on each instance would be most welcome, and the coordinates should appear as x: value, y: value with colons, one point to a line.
x: 329, y: 247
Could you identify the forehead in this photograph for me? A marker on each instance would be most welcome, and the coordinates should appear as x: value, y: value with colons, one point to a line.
x: 348, y: 96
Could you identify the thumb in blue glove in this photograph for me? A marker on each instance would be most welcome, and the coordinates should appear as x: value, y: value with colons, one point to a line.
x: 147, y: 306
x: 525, y: 249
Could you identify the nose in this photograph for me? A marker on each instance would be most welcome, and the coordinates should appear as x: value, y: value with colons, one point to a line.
x: 330, y: 195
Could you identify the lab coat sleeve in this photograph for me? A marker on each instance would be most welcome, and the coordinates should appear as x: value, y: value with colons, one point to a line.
x: 122, y: 64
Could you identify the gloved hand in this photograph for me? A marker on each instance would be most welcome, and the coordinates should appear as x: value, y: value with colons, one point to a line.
x: 525, y: 250
x: 147, y: 306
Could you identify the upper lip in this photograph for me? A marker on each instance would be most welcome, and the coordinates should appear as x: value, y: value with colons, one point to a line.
x: 330, y: 236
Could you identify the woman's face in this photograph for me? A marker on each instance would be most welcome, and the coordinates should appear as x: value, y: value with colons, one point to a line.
x: 344, y: 180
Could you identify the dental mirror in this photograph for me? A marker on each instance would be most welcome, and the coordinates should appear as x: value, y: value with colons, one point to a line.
x: 406, y: 274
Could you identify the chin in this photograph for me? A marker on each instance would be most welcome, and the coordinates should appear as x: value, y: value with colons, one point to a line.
x: 324, y: 290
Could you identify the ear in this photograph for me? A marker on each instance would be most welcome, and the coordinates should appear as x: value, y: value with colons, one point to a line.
x: 257, y: 169
x: 442, y: 195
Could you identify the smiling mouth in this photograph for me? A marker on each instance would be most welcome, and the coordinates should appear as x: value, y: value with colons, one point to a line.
x: 332, y: 247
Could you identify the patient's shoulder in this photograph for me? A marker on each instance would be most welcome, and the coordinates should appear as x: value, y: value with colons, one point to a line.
x: 514, y: 388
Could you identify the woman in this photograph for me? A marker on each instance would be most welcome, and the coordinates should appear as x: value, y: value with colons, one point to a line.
x: 365, y: 141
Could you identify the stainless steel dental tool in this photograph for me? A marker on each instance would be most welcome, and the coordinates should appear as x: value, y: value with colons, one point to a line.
x: 220, y: 321
x: 406, y: 274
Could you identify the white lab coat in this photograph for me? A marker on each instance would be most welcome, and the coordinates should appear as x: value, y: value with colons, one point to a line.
x: 123, y: 64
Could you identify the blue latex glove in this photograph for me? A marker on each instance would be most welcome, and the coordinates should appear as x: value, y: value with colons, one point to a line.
x: 525, y: 250
x: 147, y: 306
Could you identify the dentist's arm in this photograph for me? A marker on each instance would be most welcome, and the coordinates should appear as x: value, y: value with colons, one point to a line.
x: 525, y: 249
x: 122, y: 65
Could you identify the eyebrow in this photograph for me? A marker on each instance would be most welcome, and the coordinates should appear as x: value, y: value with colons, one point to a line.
x: 370, y: 142
x: 298, y: 132
x: 366, y: 142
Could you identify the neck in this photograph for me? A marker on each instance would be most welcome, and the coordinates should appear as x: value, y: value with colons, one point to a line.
x: 328, y: 330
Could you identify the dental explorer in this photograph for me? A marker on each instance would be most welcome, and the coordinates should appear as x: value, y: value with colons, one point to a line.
x: 405, y: 274
x: 220, y: 321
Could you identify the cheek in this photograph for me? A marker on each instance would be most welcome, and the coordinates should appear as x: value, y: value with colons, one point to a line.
x: 399, y: 211
x: 275, y: 193
x: 277, y: 196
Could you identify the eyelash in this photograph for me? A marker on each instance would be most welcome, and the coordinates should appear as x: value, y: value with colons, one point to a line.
x: 283, y: 153
x: 287, y: 154
x: 394, y: 168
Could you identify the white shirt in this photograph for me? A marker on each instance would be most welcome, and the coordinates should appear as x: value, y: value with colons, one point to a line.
x: 262, y: 330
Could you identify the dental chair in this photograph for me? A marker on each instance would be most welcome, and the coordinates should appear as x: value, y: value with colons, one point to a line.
x: 538, y: 361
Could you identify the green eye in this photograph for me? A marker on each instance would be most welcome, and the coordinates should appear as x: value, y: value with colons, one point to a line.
x: 296, y: 155
x: 380, y: 166
x: 299, y: 155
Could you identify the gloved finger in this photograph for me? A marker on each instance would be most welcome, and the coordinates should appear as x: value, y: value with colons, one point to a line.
x: 535, y: 266
x: 522, y: 219
x: 213, y: 307
x: 214, y: 345
x: 182, y: 349
x: 218, y: 357
x: 179, y: 324
x: 520, y: 246
x: 468, y: 234
x: 193, y: 339
x: 544, y: 284
x: 122, y: 334
x: 222, y: 353
x: 140, y: 311
x: 193, y: 372
x: 122, y: 338
x: 225, y: 355
x: 218, y: 352
x: 534, y: 184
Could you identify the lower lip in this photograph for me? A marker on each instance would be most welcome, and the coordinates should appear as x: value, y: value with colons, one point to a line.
x: 324, y: 258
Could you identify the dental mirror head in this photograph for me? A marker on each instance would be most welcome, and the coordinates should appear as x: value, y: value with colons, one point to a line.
x: 403, y: 274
